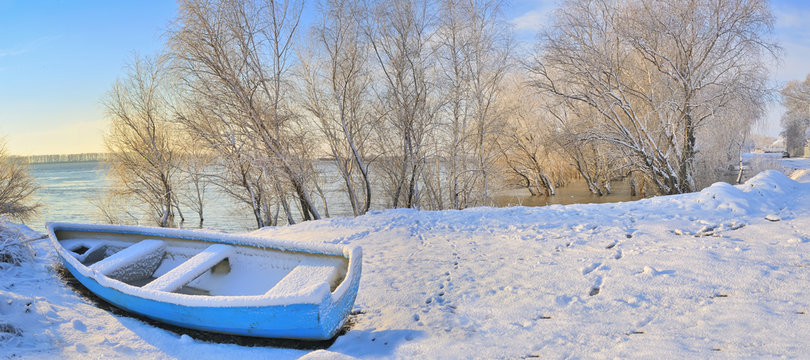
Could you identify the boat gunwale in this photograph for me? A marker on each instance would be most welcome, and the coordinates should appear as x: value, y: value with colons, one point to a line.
x: 320, y: 295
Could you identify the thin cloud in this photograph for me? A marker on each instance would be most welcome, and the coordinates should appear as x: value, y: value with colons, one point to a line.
x: 791, y: 18
x: 4, y: 53
x: 791, y: 24
x: 794, y: 61
x: 530, y: 21
x: 28, y: 47
x: 793, y: 34
x: 534, y: 17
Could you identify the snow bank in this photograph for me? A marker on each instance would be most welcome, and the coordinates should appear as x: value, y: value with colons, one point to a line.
x: 770, y: 184
x: 722, y: 196
x: 802, y: 175
x: 765, y: 193
x: 13, y: 248
x: 25, y: 320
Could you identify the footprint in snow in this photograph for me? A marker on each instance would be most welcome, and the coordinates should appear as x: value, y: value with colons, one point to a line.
x: 79, y: 325
x: 590, y: 268
x: 564, y: 300
x: 644, y: 322
x: 640, y: 324
x: 597, y: 286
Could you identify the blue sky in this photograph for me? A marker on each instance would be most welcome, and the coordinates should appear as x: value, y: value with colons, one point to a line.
x: 59, y: 58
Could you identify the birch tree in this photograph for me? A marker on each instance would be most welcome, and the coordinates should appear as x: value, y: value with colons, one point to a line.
x: 194, y: 167
x: 143, y: 153
x: 723, y: 144
x: 233, y: 171
x: 235, y: 57
x: 474, y: 54
x: 656, y: 72
x: 399, y: 32
x: 337, y: 80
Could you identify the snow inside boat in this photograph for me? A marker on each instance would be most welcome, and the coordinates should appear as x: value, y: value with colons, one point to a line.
x: 215, y: 282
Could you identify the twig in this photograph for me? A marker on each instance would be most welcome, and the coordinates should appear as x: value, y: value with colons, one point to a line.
x: 34, y: 239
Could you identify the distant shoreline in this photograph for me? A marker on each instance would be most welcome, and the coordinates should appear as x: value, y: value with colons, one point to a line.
x: 62, y: 158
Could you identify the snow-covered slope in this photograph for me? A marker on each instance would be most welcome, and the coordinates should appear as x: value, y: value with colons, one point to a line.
x: 723, y: 272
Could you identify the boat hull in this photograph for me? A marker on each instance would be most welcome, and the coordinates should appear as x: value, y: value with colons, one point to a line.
x: 307, y: 321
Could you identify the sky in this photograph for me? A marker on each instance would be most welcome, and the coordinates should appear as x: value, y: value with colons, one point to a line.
x: 59, y: 58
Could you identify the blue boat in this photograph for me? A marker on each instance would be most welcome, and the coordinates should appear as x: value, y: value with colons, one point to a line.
x: 224, y: 283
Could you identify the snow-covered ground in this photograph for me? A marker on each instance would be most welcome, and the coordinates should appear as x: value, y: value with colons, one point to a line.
x: 720, y: 273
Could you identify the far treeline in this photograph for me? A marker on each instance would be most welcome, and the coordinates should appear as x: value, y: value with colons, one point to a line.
x: 60, y: 158
x: 434, y: 104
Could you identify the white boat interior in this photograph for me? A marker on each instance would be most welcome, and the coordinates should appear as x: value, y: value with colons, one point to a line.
x: 195, y: 267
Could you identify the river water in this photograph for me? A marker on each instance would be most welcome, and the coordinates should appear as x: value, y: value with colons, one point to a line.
x: 68, y: 191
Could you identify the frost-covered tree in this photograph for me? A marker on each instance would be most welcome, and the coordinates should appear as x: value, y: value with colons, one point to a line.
x: 337, y: 83
x: 17, y: 188
x: 796, y: 120
x: 144, y: 155
x: 234, y: 59
x: 473, y: 48
x: 399, y: 32
x: 655, y: 72
x: 233, y: 170
x: 195, y: 165
x: 531, y: 143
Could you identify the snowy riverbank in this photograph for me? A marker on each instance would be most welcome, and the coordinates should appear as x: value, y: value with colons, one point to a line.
x: 723, y: 272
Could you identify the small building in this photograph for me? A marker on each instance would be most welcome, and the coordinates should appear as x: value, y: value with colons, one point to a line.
x: 777, y: 146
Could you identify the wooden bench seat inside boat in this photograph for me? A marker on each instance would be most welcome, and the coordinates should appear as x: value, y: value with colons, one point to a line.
x: 304, y: 279
x: 191, y: 268
x: 133, y: 263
